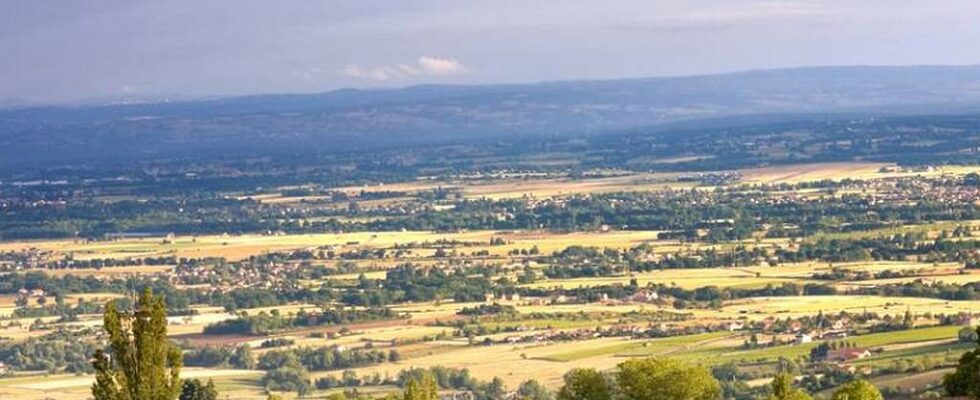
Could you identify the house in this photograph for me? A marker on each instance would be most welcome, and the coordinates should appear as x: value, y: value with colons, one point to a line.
x: 847, y: 354
x: 803, y: 338
x: 456, y: 395
x: 852, y: 369
x: 559, y: 299
x: 736, y: 326
x: 644, y: 296
x: 835, y: 334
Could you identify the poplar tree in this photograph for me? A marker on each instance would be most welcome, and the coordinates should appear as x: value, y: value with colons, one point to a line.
x: 782, y: 389
x: 426, y: 389
x: 142, y: 364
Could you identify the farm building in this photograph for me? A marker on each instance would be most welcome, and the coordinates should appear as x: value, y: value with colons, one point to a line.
x: 803, y: 338
x: 456, y: 395
x: 847, y: 354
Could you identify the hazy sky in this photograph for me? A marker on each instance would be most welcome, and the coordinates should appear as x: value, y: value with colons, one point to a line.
x: 71, y: 50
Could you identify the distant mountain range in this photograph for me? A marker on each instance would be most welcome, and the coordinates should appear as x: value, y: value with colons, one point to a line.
x: 351, y: 119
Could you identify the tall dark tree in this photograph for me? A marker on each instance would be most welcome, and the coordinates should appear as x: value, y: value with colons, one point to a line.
x: 965, y: 380
x: 194, y: 389
x: 426, y: 389
x: 142, y: 363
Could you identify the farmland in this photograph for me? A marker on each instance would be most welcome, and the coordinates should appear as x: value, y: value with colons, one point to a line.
x: 505, y: 268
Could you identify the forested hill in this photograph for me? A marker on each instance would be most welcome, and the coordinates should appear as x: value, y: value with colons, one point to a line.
x: 345, y: 119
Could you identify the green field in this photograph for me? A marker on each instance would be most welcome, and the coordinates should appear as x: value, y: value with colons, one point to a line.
x: 644, y: 348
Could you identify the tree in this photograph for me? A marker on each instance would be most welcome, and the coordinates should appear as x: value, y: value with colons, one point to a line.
x: 585, y: 384
x: 422, y: 389
x: 665, y: 379
x: 782, y: 389
x: 968, y: 335
x: 495, y: 389
x: 725, y: 372
x: 242, y: 358
x: 288, y: 378
x: 857, y: 390
x: 532, y: 390
x: 144, y: 365
x: 963, y: 381
x: 195, y: 390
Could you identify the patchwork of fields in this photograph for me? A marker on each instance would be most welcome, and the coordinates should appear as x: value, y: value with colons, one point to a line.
x: 561, y: 286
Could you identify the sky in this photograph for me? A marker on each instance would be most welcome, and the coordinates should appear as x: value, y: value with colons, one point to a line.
x: 94, y: 50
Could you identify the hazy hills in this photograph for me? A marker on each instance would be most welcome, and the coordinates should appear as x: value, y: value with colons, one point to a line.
x: 348, y: 119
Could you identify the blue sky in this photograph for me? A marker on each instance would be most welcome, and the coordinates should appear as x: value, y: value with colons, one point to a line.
x: 77, y: 50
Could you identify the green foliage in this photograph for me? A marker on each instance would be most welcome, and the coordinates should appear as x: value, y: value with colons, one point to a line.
x: 586, y: 384
x: 857, y: 390
x: 288, y: 379
x: 964, y: 380
x: 322, y: 358
x: 220, y: 356
x: 449, y: 378
x: 264, y: 323
x: 195, y: 390
x: 532, y: 390
x: 782, y: 389
x: 144, y: 364
x: 665, y: 379
x: 424, y: 389
x: 968, y: 335
x: 488, y: 309
x: 58, y: 351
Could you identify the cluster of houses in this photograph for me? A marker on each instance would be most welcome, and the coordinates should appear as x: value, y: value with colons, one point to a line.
x: 468, y: 395
x: 237, y: 276
x: 553, y: 334
x: 944, y: 189
x: 23, y: 259
x: 30, y: 293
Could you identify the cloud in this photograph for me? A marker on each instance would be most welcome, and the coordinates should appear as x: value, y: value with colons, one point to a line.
x: 424, y: 66
x: 440, y: 66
